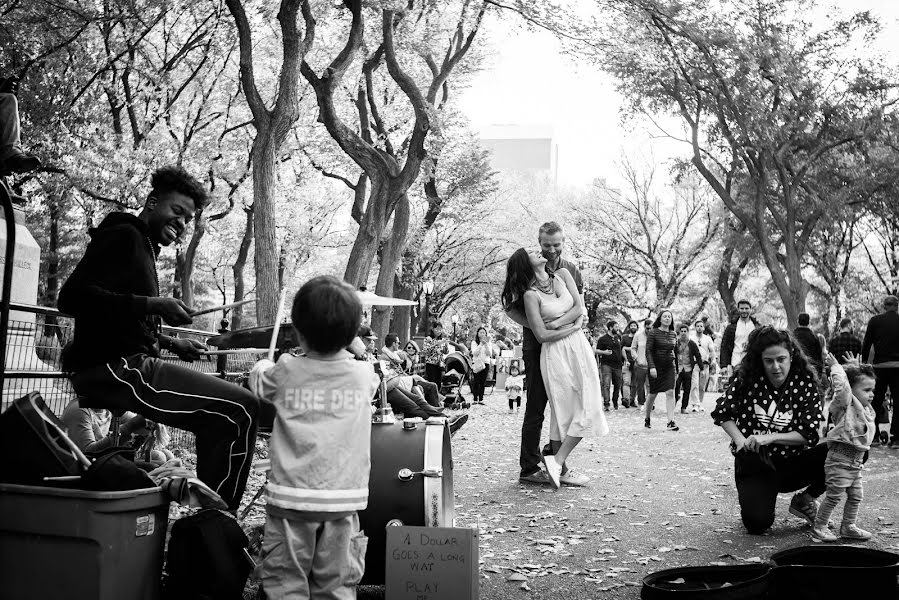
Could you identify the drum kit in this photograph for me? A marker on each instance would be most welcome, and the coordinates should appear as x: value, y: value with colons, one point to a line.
x: 411, y: 480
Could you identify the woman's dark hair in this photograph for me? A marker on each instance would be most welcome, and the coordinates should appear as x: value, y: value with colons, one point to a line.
x: 434, y: 327
x: 853, y: 374
x: 477, y: 335
x: 519, y: 275
x: 327, y: 312
x: 658, y: 321
x: 751, y: 367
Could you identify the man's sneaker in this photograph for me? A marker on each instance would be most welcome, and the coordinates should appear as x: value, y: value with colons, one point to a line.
x: 894, y: 443
x: 672, y: 426
x: 572, y: 478
x: 804, y: 508
x: 646, y: 423
x: 18, y: 161
x: 851, y: 531
x: 538, y: 476
x: 683, y: 411
x: 456, y: 423
x: 821, y: 533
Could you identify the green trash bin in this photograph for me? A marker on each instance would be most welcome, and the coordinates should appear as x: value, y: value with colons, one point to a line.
x: 65, y: 544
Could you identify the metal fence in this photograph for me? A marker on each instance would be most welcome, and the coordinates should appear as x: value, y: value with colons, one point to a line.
x: 34, y: 342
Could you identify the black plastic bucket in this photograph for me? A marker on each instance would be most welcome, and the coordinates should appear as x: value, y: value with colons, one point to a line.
x: 736, y: 582
x: 816, y: 572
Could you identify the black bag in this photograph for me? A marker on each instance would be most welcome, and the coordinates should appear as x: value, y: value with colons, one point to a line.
x: 34, y: 445
x: 207, y: 558
x: 114, y: 470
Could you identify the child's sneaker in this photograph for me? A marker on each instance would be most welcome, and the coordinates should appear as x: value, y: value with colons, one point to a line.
x: 672, y: 426
x: 851, y: 531
x: 804, y: 508
x: 821, y: 533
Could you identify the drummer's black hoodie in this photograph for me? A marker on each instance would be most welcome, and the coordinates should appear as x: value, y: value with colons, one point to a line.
x: 107, y: 294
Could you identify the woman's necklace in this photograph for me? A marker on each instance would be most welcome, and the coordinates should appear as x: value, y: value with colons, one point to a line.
x: 546, y: 287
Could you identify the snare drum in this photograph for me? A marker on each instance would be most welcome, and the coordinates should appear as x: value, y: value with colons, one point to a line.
x: 411, y: 483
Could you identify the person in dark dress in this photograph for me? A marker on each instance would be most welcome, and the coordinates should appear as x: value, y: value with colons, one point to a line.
x: 660, y: 343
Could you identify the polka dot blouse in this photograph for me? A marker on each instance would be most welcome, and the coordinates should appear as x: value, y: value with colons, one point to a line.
x: 761, y: 408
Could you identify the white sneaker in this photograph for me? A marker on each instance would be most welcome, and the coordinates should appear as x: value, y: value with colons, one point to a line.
x: 574, y: 479
x: 553, y: 469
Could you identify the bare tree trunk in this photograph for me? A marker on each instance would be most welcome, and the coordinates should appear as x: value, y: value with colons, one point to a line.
x: 238, y: 270
x: 374, y: 221
x: 391, y: 261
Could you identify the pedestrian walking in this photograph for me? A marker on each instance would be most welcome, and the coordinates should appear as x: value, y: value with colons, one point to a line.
x: 882, y: 336
x: 660, y: 343
x: 611, y: 361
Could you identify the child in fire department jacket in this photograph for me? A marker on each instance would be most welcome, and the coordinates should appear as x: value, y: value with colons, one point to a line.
x: 319, y: 450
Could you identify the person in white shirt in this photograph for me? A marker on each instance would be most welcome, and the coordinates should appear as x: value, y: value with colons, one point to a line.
x: 736, y: 336
x: 701, y: 375
x: 641, y: 367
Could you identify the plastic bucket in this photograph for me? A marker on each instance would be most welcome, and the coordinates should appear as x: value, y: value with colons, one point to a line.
x: 737, y: 582
x: 815, y: 572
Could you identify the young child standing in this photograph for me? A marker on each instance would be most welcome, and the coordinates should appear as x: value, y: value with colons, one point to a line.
x: 514, y: 385
x: 852, y: 434
x: 319, y: 450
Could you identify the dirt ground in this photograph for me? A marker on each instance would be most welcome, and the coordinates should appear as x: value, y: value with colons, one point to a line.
x: 656, y: 500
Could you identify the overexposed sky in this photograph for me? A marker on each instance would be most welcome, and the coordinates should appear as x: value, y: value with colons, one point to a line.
x: 529, y: 81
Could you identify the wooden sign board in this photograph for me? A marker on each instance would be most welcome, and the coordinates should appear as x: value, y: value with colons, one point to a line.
x: 431, y: 563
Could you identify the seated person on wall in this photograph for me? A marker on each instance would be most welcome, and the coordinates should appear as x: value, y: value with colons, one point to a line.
x: 396, y: 361
x: 113, y: 293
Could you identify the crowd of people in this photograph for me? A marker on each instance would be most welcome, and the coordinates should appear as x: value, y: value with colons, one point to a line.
x: 772, y: 407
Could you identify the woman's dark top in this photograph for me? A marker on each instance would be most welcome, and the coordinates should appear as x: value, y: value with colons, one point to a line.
x: 758, y: 407
x: 660, y: 349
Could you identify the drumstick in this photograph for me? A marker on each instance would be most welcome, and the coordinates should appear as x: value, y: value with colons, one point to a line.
x: 211, y: 309
x: 271, y: 346
x: 234, y: 351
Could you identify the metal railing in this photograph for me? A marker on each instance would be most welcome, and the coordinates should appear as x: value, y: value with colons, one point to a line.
x: 36, y: 336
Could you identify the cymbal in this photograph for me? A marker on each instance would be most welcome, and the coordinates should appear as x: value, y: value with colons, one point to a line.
x: 255, y: 337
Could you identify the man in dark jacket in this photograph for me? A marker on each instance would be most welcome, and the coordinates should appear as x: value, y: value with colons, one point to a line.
x: 882, y: 335
x: 611, y: 362
x: 113, y: 294
x: 810, y: 344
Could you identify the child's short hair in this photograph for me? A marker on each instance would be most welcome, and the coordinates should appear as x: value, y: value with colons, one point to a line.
x: 327, y: 313
x: 853, y: 374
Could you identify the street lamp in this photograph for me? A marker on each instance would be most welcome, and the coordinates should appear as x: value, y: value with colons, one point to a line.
x: 455, y: 320
x: 424, y: 322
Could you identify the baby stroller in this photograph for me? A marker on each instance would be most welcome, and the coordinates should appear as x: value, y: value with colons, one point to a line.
x: 456, y: 371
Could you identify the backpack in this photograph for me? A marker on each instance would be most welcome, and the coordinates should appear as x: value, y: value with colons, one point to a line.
x: 207, y: 558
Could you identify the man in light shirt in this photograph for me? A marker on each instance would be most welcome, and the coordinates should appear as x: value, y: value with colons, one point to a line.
x: 701, y: 375
x: 736, y: 336
x: 641, y: 367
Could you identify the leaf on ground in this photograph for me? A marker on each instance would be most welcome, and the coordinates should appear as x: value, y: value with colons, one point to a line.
x: 516, y: 577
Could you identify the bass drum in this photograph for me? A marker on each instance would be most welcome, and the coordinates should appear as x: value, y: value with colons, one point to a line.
x: 411, y: 483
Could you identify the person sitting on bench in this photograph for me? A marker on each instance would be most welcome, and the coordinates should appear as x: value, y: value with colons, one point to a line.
x: 113, y: 359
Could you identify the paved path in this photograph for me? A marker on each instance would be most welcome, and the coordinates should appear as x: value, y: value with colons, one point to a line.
x: 656, y: 500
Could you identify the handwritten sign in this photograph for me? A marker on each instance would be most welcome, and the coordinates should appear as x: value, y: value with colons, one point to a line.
x: 432, y: 563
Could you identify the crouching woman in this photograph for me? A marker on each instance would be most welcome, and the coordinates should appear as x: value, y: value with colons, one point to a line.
x: 771, y: 410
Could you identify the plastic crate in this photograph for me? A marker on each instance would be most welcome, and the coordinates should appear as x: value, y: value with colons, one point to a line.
x: 67, y: 544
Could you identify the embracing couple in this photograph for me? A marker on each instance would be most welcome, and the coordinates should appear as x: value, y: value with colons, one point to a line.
x: 543, y: 294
